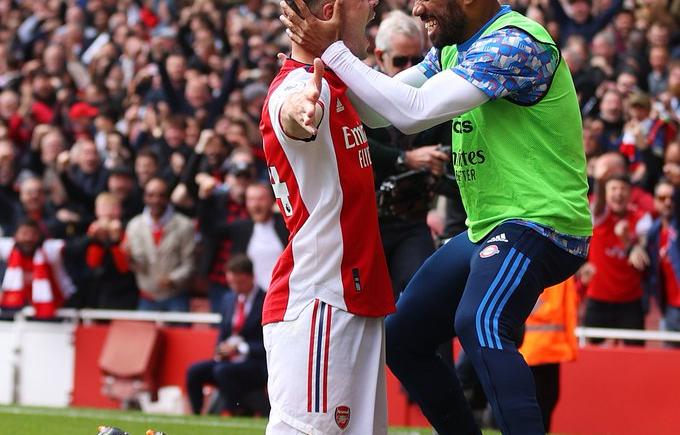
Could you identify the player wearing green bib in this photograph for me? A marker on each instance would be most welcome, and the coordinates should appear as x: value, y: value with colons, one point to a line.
x: 518, y: 158
x: 531, y: 157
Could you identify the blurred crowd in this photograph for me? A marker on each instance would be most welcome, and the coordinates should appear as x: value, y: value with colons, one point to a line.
x: 132, y: 169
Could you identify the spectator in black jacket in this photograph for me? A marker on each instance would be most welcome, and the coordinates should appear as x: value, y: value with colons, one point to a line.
x: 53, y: 223
x: 263, y: 236
x: 194, y: 97
x: 85, y: 179
x: 9, y: 197
x: 146, y: 166
x: 123, y: 186
x: 406, y: 237
x: 227, y: 200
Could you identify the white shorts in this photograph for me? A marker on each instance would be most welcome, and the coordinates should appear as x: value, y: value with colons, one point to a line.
x: 326, y: 373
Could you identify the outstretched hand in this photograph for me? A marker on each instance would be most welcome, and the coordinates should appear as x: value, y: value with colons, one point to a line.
x: 313, y: 34
x: 300, y: 113
x: 310, y: 96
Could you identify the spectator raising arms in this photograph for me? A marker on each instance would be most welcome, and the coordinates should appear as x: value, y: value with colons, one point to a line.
x: 617, y: 257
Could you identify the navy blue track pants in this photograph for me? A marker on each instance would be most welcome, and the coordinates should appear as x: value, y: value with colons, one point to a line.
x: 482, y: 293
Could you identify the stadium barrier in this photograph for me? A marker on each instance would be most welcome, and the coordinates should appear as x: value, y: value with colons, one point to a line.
x: 608, y: 390
x: 584, y: 333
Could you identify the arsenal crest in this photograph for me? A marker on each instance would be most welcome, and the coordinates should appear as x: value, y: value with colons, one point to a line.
x: 489, y: 251
x: 342, y: 416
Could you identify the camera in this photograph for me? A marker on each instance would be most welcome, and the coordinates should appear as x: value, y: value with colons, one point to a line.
x: 407, y: 195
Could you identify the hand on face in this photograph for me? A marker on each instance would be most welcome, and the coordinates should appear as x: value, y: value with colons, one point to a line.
x: 313, y: 34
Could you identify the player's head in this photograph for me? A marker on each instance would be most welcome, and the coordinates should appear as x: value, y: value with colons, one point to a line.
x: 446, y: 21
x: 357, y: 14
x: 398, y: 43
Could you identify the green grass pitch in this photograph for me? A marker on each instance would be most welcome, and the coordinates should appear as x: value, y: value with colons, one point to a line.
x: 20, y: 420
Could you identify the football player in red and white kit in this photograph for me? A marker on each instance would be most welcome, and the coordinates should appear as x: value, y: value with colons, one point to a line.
x: 324, y: 311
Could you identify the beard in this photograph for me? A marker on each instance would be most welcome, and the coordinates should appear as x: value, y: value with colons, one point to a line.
x: 451, y: 27
x: 27, y: 249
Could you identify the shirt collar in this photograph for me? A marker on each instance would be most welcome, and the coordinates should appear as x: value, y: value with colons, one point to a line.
x: 248, y: 297
x: 466, y: 45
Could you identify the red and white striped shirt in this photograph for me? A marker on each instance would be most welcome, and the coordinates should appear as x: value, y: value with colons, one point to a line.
x: 324, y: 188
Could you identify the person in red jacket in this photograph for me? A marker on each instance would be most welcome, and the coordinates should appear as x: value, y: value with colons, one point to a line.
x: 617, y: 258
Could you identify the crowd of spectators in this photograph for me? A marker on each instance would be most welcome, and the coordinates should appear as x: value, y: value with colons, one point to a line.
x: 129, y: 137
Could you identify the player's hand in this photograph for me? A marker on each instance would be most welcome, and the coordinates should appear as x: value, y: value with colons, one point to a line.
x: 427, y: 157
x: 313, y: 34
x: 301, y: 107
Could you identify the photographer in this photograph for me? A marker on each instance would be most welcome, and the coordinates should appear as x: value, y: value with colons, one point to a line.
x: 406, y: 167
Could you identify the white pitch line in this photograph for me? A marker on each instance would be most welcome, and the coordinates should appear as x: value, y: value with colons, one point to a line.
x: 170, y: 419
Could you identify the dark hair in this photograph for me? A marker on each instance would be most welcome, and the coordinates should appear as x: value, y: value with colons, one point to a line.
x: 311, y: 5
x: 147, y: 152
x: 626, y: 11
x: 620, y: 177
x: 122, y: 171
x: 31, y: 223
x: 176, y: 121
x: 240, y: 263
